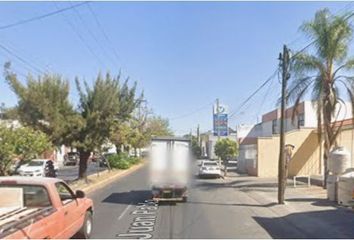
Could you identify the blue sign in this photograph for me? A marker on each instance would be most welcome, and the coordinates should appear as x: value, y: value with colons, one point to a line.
x: 220, y: 125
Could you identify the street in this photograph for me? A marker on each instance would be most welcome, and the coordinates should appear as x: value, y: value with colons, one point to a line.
x: 70, y: 173
x: 232, y: 208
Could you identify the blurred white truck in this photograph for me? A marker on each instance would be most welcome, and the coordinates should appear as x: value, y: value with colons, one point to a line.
x: 170, y: 162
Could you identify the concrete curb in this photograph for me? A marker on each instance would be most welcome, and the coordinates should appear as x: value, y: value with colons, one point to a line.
x: 120, y: 174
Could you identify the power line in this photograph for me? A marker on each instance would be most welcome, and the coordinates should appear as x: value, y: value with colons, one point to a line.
x: 192, y: 112
x: 21, y: 22
x: 24, y: 61
x: 265, y: 97
x: 103, y: 31
x: 82, y: 39
x: 91, y: 33
x: 30, y: 58
x: 314, y: 41
x: 254, y: 93
x: 345, y: 8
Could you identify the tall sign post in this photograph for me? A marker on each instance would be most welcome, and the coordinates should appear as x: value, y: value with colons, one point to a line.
x: 220, y: 123
x: 220, y: 120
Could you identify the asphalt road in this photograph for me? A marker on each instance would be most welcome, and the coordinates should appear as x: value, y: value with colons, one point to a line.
x: 121, y: 212
x: 216, y: 208
x: 70, y: 173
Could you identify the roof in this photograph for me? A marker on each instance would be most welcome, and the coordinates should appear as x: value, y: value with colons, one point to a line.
x: 248, y: 140
x: 30, y: 180
x: 163, y: 138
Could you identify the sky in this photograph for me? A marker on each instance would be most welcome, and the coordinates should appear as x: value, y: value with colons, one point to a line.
x: 183, y: 55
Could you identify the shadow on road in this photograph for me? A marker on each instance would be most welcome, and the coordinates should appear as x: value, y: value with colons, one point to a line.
x: 131, y: 197
x: 232, y: 204
x: 320, y: 202
x: 316, y: 224
x: 241, y: 185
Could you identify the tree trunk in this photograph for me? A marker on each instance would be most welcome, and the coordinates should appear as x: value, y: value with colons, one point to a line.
x: 225, y: 168
x: 325, y: 164
x: 3, y: 172
x: 118, y: 148
x: 84, y: 156
x: 127, y: 149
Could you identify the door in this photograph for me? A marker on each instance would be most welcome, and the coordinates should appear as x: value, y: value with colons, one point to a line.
x: 71, y: 212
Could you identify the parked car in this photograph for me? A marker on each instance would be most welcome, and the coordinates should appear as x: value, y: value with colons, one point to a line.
x: 35, y: 168
x: 209, y: 169
x: 43, y: 208
x: 95, y: 157
x: 71, y: 158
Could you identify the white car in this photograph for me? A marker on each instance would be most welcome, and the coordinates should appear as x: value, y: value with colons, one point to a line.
x: 35, y: 168
x: 209, y: 169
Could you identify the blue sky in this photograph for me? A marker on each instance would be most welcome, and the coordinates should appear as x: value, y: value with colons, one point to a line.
x: 183, y: 55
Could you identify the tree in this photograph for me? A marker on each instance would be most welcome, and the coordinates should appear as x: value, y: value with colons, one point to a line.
x: 120, y: 135
x: 322, y: 71
x: 158, y: 126
x: 22, y: 143
x: 43, y: 104
x: 122, y: 127
x: 226, y: 149
x: 100, y: 107
x: 196, y: 149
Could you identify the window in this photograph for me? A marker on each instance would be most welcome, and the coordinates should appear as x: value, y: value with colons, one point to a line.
x: 210, y: 164
x: 275, y: 126
x: 300, y: 120
x: 32, y: 195
x: 35, y: 163
x: 65, y: 193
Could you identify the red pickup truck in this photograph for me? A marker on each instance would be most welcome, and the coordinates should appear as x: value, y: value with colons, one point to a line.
x: 40, y: 208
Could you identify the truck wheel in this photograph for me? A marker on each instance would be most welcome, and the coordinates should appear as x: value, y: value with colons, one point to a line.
x: 86, y: 229
x: 184, y: 199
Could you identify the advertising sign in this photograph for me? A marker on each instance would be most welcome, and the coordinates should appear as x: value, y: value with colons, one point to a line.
x: 220, y: 121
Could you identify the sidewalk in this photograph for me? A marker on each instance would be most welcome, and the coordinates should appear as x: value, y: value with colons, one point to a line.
x: 307, y: 209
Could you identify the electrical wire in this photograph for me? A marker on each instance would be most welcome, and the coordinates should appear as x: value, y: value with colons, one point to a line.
x: 345, y: 8
x: 30, y: 58
x: 192, y: 112
x: 314, y: 41
x: 82, y: 39
x: 21, y: 22
x: 21, y: 59
x: 276, y: 71
x: 91, y: 33
x: 254, y: 93
x: 105, y: 35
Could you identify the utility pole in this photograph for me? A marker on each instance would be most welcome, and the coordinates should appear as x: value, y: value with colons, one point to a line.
x: 217, y: 126
x: 198, y: 135
x: 284, y: 63
x: 217, y: 118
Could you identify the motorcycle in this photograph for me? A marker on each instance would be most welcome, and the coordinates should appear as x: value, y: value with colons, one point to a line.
x: 49, y: 170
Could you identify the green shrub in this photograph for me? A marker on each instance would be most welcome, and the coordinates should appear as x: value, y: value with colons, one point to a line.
x: 134, y: 160
x: 123, y: 164
x: 122, y: 161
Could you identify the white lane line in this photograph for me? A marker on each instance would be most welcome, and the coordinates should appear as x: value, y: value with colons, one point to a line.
x: 125, y: 210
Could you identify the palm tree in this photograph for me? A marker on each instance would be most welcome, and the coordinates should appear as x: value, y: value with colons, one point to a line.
x: 322, y: 72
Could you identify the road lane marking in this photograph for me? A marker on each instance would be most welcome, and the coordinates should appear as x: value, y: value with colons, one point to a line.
x: 144, y: 221
x: 125, y: 210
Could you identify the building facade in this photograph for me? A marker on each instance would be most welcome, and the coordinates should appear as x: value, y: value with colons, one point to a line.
x: 259, y: 150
